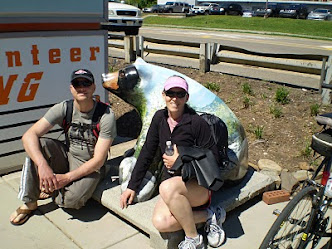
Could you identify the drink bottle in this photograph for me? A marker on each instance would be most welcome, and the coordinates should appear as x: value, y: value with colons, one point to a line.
x: 169, y: 151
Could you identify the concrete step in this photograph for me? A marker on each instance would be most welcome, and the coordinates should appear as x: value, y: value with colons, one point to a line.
x: 140, y: 214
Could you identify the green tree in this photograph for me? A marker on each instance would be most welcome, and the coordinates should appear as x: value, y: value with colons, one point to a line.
x: 141, y: 3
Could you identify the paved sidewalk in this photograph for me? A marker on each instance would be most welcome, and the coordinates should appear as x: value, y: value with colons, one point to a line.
x: 51, y: 227
x: 95, y: 227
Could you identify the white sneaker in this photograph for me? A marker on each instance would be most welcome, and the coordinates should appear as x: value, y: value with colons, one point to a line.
x: 190, y: 243
x: 213, y: 227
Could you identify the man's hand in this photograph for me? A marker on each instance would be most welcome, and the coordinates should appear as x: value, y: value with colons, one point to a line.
x: 30, y: 139
x: 127, y: 198
x: 47, y: 180
x: 169, y: 160
x: 62, y: 180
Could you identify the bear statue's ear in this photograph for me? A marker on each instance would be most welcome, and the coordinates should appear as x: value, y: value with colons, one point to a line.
x: 128, y: 78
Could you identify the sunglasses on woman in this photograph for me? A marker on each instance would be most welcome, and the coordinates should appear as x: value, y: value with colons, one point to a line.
x: 173, y: 94
x: 80, y: 83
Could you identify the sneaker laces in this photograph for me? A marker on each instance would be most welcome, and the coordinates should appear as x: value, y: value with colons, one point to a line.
x: 215, y: 235
x: 214, y: 229
x: 187, y: 244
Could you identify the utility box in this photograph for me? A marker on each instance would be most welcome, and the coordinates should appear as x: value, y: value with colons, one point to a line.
x: 41, y: 43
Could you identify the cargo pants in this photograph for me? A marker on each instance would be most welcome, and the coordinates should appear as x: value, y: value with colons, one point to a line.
x: 75, y: 194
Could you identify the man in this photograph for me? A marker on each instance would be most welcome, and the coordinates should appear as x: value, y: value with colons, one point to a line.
x: 71, y: 172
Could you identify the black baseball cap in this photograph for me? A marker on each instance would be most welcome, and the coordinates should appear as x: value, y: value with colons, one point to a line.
x: 82, y: 73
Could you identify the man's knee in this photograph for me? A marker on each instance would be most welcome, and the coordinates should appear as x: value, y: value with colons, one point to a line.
x: 50, y: 146
x: 71, y: 200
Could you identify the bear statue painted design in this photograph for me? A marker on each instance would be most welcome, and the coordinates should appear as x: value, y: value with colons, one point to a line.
x: 141, y: 85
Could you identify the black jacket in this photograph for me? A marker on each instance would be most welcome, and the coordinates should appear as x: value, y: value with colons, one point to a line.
x: 191, y: 130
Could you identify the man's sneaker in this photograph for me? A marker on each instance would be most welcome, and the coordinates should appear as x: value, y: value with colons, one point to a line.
x: 215, y: 232
x: 190, y: 243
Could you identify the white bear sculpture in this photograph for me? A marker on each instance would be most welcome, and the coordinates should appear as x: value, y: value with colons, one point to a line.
x: 141, y: 85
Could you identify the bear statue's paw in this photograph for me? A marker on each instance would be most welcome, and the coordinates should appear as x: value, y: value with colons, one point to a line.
x: 126, y: 167
x: 147, y: 187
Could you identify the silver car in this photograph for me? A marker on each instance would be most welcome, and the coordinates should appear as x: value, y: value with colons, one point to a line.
x: 319, y: 14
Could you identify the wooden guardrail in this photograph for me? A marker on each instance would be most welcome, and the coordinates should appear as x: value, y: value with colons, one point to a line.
x: 210, y: 54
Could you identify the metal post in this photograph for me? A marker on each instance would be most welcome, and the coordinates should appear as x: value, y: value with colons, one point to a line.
x: 266, y: 4
x: 326, y: 93
x: 129, y: 49
x: 137, y: 48
x: 214, y: 52
x: 141, y: 46
x: 139, y: 41
x: 203, y: 60
x: 322, y: 74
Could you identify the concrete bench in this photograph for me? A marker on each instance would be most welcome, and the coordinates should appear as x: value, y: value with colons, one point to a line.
x: 140, y: 214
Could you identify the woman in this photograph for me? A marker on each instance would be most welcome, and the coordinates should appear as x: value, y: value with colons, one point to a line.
x: 182, y: 204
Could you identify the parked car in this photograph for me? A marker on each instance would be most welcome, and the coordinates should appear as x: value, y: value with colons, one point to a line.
x: 234, y: 9
x: 153, y: 9
x: 295, y: 11
x: 272, y: 10
x: 217, y: 9
x: 248, y: 13
x: 123, y: 17
x: 319, y: 14
x: 203, y: 8
x: 176, y: 7
x: 226, y: 9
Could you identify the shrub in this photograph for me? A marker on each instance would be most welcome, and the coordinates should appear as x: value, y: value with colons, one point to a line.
x: 259, y: 132
x: 246, y: 102
x: 282, y: 95
x: 212, y: 86
x: 276, y: 111
x: 110, y: 68
x: 314, y: 109
x: 246, y: 88
x: 264, y: 96
x: 306, y: 151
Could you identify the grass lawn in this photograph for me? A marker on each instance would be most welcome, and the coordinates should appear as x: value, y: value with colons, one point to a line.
x: 299, y: 27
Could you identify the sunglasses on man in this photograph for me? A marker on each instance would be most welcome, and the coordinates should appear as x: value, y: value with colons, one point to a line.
x: 81, y: 83
x: 173, y: 94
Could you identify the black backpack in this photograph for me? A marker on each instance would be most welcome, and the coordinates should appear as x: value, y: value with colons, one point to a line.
x: 95, y: 127
x: 220, y: 135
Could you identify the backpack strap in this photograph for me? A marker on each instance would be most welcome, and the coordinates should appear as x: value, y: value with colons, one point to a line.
x: 98, y: 113
x: 66, y: 122
x: 69, y: 114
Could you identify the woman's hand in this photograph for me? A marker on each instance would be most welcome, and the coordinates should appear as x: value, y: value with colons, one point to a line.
x: 127, y: 198
x: 169, y: 160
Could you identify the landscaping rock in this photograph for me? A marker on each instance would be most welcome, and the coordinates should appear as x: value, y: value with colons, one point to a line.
x: 269, y: 164
x: 304, y: 165
x: 301, y: 175
x: 288, y: 181
x: 273, y: 174
x: 254, y: 166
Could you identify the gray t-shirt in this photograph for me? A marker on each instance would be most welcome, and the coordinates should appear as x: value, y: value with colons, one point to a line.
x: 82, y: 140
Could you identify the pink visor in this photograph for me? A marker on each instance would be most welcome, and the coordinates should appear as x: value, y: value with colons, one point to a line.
x: 176, y: 81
